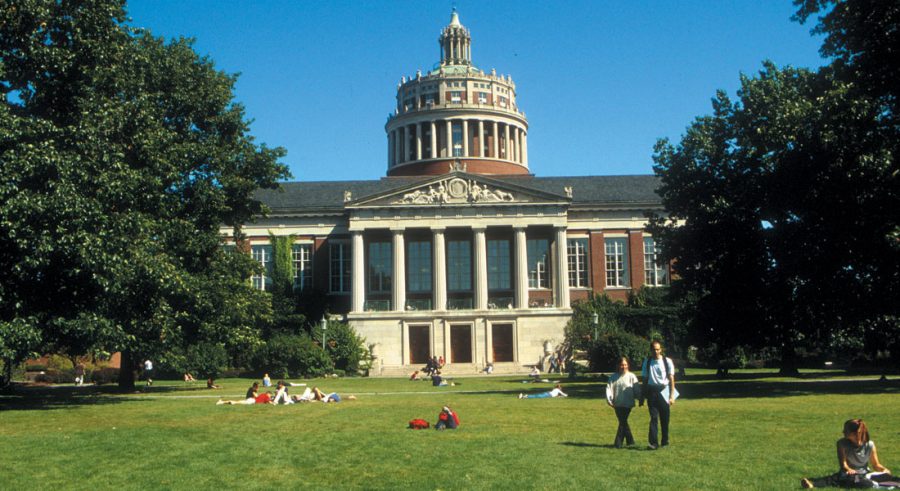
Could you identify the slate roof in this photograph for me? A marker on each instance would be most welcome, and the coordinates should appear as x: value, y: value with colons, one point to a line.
x: 586, y: 190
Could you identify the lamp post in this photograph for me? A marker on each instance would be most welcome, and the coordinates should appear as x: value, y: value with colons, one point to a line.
x: 596, y: 319
x: 324, y: 326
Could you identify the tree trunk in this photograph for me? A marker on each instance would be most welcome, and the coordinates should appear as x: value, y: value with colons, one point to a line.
x: 788, y: 362
x: 126, y: 371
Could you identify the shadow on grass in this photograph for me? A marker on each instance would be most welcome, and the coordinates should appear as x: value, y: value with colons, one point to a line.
x: 43, y: 397
x: 756, y: 388
x: 607, y: 445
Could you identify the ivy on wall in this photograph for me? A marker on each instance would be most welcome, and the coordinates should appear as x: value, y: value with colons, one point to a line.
x: 282, y: 264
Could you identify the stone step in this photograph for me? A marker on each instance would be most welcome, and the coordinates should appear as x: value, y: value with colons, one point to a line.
x: 450, y: 370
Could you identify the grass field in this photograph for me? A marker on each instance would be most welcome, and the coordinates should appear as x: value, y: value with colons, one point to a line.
x: 754, y: 431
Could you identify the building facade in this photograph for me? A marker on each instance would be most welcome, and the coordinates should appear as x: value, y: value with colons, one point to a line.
x: 460, y: 251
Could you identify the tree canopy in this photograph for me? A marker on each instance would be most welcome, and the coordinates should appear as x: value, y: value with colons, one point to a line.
x: 783, y: 204
x: 122, y: 155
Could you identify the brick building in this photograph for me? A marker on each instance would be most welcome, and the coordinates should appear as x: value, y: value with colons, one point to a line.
x: 460, y: 251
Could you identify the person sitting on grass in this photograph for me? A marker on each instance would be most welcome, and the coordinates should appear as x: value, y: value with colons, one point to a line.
x: 210, y: 384
x: 267, y: 382
x: 250, y: 398
x: 415, y: 376
x: 856, y: 451
x: 188, y: 377
x: 437, y: 380
x: 535, y: 373
x: 447, y: 419
x: 556, y: 392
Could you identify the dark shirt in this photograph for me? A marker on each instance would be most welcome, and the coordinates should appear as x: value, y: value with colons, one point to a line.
x: 251, y: 393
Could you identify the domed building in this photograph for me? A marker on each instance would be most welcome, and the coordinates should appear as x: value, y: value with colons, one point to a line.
x: 460, y: 251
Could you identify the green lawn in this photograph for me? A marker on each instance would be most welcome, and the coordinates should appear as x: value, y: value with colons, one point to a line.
x: 755, y: 431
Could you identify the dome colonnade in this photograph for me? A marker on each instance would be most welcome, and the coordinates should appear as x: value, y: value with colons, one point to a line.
x: 456, y: 112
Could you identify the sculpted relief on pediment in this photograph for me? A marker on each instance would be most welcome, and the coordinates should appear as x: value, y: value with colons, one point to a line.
x: 455, y: 190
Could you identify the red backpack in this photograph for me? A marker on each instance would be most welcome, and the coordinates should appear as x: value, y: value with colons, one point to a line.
x: 418, y: 424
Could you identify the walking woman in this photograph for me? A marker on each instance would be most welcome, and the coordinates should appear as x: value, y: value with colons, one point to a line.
x: 621, y: 391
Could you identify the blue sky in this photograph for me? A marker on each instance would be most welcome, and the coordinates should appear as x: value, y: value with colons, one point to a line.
x: 599, y: 81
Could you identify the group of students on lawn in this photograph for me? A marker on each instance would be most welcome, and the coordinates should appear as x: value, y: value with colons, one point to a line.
x: 281, y: 395
x: 858, y: 462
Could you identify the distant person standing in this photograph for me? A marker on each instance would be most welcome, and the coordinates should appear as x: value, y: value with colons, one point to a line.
x: 658, y: 374
x: 79, y: 374
x: 148, y: 371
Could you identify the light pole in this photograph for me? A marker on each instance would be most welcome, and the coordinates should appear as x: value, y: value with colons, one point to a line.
x: 596, y: 319
x: 324, y: 326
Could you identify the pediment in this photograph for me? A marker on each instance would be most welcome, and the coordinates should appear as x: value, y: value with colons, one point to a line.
x: 458, y: 188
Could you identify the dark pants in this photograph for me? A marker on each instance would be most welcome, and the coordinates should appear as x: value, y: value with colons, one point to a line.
x: 624, y: 431
x: 659, y: 412
x: 840, y: 480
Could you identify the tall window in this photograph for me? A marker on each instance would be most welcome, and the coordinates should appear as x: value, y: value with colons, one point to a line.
x: 380, y: 267
x: 498, y: 265
x: 459, y: 265
x: 538, y: 254
x: 301, y: 263
x: 457, y: 139
x: 616, y: 263
x: 578, y: 262
x: 418, y: 266
x: 263, y: 255
x: 339, y: 267
x: 655, y: 272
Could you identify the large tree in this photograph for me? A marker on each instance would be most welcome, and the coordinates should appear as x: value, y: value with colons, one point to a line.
x: 121, y: 155
x: 789, y: 200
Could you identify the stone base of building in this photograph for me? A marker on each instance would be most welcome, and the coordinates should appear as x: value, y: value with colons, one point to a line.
x: 511, y: 340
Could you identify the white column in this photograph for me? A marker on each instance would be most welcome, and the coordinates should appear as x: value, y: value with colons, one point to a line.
x: 506, y: 145
x: 465, y: 137
x: 481, y: 288
x: 525, y: 148
x: 562, y: 268
x: 398, y: 297
x: 359, y: 273
x: 496, y: 144
x: 440, y: 269
x: 518, y: 145
x: 480, y: 152
x: 433, y: 140
x: 418, y: 141
x: 449, y: 138
x: 521, y: 265
x: 446, y: 334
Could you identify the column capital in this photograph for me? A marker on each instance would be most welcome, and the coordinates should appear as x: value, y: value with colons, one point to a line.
x: 479, y: 228
x: 438, y: 229
x: 398, y: 229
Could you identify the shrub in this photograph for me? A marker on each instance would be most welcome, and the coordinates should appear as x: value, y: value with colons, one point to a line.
x: 345, y: 347
x: 206, y: 359
x: 606, y: 351
x: 105, y: 375
x: 290, y: 355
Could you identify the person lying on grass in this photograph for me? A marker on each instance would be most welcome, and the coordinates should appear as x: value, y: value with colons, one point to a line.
x: 556, y: 392
x: 856, y: 452
x: 211, y: 384
x: 281, y: 396
x: 252, y: 397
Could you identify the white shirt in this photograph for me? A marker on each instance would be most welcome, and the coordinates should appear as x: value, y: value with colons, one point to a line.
x: 148, y: 365
x: 657, y: 376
